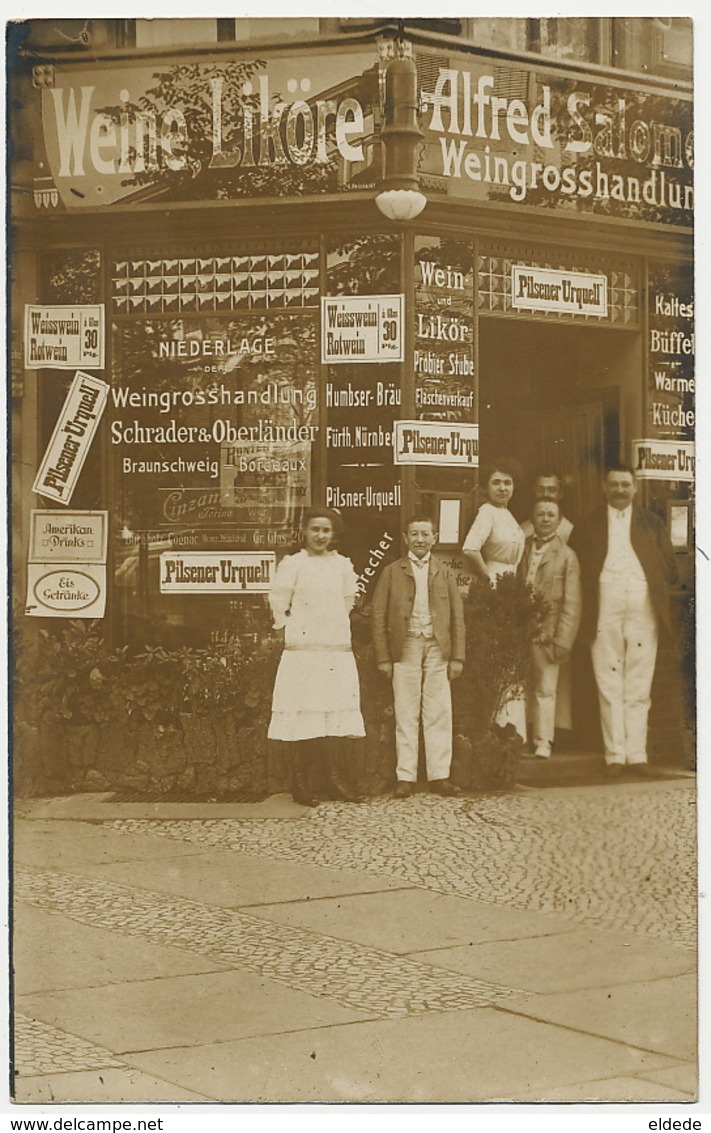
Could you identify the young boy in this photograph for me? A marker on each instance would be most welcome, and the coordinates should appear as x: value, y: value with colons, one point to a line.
x: 418, y: 632
x: 552, y: 569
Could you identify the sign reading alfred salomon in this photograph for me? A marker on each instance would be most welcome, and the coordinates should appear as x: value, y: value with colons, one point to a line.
x: 71, y: 439
x: 361, y: 328
x: 64, y: 337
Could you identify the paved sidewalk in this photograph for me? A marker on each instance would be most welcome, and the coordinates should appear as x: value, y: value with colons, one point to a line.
x: 538, y: 946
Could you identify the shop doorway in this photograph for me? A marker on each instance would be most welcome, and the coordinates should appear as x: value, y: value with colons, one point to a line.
x: 562, y: 398
x: 557, y: 396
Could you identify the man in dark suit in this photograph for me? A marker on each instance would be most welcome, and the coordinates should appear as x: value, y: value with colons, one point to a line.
x: 418, y: 633
x: 627, y: 566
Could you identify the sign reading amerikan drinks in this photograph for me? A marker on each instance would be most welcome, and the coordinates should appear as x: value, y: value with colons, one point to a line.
x: 505, y: 132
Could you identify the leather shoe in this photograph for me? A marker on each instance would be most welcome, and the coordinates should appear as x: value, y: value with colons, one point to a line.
x: 444, y: 787
x: 403, y: 790
x: 613, y: 770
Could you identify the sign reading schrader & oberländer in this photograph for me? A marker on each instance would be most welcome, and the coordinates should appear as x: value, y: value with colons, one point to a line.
x: 563, y: 292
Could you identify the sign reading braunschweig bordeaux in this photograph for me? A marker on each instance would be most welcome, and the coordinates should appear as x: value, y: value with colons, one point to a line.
x: 64, y: 337
x: 216, y: 572
x: 436, y: 442
x: 663, y: 460
x: 563, y: 292
x: 68, y: 537
x: 72, y: 437
x: 362, y: 328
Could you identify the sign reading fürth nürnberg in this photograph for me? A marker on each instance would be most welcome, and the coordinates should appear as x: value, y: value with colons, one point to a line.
x: 208, y: 572
x: 434, y: 442
x: 362, y: 328
x: 563, y: 292
x: 64, y: 337
x: 71, y: 439
x: 663, y: 460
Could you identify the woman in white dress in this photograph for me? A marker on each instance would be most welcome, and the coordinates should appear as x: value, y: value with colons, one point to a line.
x: 316, y: 691
x: 494, y: 546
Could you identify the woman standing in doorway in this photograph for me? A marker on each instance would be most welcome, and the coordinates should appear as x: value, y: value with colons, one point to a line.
x: 494, y: 546
x: 316, y: 700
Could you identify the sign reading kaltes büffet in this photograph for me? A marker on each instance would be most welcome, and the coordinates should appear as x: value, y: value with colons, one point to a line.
x: 64, y: 337
x: 71, y: 440
x: 361, y: 328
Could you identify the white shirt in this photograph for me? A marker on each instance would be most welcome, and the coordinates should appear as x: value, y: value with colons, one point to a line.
x: 537, y: 554
x: 621, y: 560
x: 421, y: 619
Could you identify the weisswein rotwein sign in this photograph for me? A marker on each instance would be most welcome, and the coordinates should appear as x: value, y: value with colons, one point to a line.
x: 362, y: 328
x: 64, y: 337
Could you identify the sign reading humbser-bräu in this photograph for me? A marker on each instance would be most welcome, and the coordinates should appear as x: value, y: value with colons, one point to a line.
x: 216, y: 572
x: 361, y: 328
x: 436, y: 442
x: 64, y: 337
x: 71, y: 439
x: 563, y: 292
x: 663, y: 460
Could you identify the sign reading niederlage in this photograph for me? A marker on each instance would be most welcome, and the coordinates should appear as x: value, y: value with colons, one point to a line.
x: 71, y: 439
x: 64, y: 337
x: 663, y: 460
x: 216, y: 572
x: 66, y: 591
x: 561, y: 292
x: 362, y: 328
x: 436, y: 442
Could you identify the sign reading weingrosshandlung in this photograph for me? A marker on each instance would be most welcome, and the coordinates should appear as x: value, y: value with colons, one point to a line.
x: 561, y: 292
x: 436, y: 442
x: 216, y: 572
x: 71, y: 439
x: 64, y: 337
x: 362, y: 328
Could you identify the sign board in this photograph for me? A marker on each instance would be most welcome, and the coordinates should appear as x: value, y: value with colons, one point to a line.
x: 71, y: 439
x: 663, y: 460
x: 64, y: 337
x: 68, y: 537
x: 436, y: 442
x: 562, y: 292
x: 72, y: 591
x: 216, y: 572
x: 362, y: 328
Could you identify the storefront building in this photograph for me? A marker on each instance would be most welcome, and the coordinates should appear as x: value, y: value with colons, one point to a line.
x: 195, y: 233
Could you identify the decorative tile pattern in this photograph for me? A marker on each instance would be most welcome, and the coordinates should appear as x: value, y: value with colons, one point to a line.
x: 41, y: 1049
x: 374, y: 981
x: 620, y: 859
x: 214, y: 283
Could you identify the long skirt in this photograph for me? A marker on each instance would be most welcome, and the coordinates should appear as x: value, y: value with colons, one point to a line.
x: 316, y: 693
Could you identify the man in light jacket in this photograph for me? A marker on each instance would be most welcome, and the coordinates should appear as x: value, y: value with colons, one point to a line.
x: 552, y: 569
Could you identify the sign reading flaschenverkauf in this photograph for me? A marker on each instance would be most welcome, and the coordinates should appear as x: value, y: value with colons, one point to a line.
x: 64, y: 338
x: 362, y: 328
x: 72, y: 437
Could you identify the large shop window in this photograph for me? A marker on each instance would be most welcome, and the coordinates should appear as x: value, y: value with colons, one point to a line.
x: 213, y: 435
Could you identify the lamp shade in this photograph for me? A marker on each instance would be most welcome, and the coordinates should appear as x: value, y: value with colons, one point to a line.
x: 401, y: 204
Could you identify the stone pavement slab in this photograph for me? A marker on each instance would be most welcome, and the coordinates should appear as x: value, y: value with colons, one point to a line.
x: 66, y: 845
x: 186, y: 1010
x: 101, y: 1087
x: 100, y: 807
x: 584, y: 958
x: 657, y: 1015
x: 409, y: 920
x: 472, y: 1056
x: 82, y: 956
x: 230, y: 879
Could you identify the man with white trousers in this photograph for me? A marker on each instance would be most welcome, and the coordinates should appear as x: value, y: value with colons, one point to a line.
x: 627, y: 566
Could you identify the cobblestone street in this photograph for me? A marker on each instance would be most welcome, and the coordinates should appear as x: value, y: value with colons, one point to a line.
x: 197, y: 957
